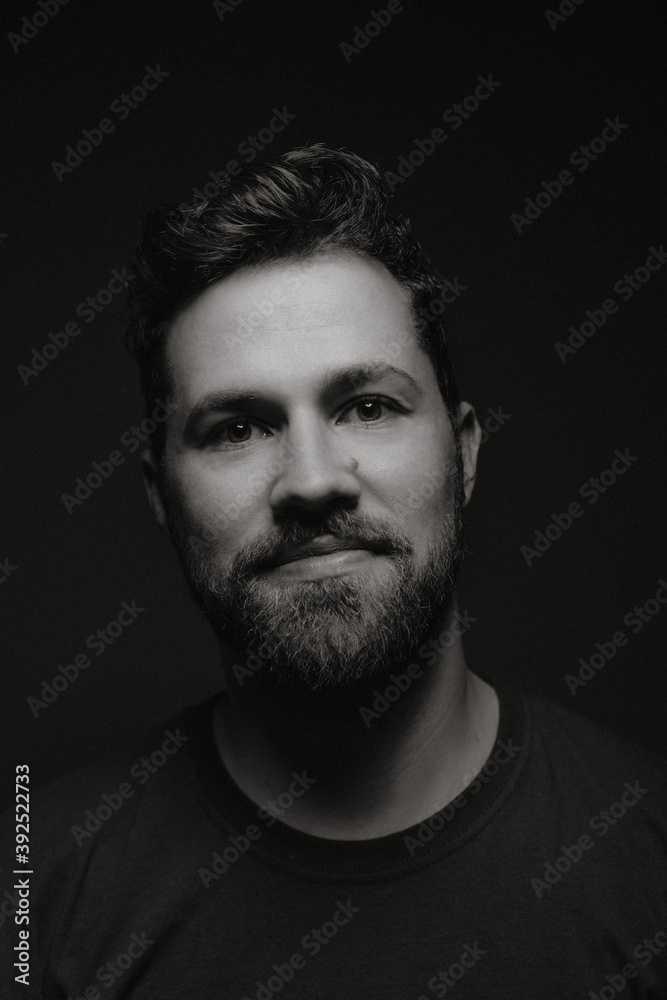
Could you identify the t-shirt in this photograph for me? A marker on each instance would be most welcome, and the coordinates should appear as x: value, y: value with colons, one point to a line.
x: 156, y: 877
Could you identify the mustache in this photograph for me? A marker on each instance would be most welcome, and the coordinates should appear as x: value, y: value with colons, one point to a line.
x: 341, y: 524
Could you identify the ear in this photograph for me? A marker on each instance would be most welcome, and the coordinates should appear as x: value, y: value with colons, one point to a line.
x: 152, y: 473
x: 471, y: 435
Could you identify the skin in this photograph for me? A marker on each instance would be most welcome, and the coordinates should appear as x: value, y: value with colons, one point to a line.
x: 323, y: 448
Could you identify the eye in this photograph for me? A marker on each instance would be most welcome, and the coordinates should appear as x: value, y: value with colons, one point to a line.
x: 369, y: 410
x: 236, y: 433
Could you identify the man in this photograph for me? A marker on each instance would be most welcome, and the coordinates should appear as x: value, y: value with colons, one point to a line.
x: 359, y: 814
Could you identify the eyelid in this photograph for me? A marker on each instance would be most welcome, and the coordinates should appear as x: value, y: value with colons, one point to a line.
x: 374, y: 397
x: 217, y: 429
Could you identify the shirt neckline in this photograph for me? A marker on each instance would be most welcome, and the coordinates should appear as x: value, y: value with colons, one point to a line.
x: 393, y: 856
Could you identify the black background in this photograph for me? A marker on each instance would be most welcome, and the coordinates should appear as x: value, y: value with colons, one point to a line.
x: 61, y: 239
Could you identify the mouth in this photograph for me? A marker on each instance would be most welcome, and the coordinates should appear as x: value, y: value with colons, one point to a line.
x: 323, y: 556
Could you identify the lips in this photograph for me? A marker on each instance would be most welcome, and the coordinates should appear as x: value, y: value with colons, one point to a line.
x: 321, y: 546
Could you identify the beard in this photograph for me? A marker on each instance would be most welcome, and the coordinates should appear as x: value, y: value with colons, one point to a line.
x: 333, y: 632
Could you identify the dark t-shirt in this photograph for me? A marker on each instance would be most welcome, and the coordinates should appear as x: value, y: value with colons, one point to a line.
x: 155, y: 877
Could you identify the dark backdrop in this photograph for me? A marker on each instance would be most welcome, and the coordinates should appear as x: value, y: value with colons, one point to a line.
x: 555, y: 82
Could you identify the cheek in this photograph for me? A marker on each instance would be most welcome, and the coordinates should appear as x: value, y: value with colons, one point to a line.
x: 417, y: 477
x: 221, y: 505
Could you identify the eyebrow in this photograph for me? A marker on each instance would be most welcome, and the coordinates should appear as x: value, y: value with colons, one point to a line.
x: 358, y: 375
x: 334, y: 382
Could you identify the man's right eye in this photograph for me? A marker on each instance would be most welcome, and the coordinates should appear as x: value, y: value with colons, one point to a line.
x: 236, y: 433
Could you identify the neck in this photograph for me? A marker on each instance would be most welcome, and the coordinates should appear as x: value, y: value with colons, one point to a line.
x: 377, y: 765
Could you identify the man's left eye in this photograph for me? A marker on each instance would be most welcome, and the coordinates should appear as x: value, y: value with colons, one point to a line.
x: 369, y: 410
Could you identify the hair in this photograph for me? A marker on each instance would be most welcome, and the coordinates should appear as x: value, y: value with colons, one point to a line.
x: 308, y: 202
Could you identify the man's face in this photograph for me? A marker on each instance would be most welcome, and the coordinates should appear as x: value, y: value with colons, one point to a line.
x: 311, y: 484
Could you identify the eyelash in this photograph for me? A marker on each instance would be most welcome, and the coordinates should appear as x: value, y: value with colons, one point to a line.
x: 390, y: 404
x: 216, y: 433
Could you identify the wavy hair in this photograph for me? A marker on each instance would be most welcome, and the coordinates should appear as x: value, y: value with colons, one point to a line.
x: 308, y: 202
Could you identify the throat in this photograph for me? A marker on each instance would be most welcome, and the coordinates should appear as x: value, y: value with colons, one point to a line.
x: 367, y: 778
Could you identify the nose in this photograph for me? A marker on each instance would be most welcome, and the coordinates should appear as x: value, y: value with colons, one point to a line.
x: 316, y: 470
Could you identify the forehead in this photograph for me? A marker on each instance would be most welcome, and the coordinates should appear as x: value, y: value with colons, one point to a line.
x: 288, y: 322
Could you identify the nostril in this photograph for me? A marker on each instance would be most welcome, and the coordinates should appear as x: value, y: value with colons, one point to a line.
x: 312, y: 510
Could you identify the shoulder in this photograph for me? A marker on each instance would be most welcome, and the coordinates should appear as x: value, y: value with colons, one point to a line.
x: 97, y: 835
x: 586, y: 766
x: 577, y: 739
x: 70, y: 816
